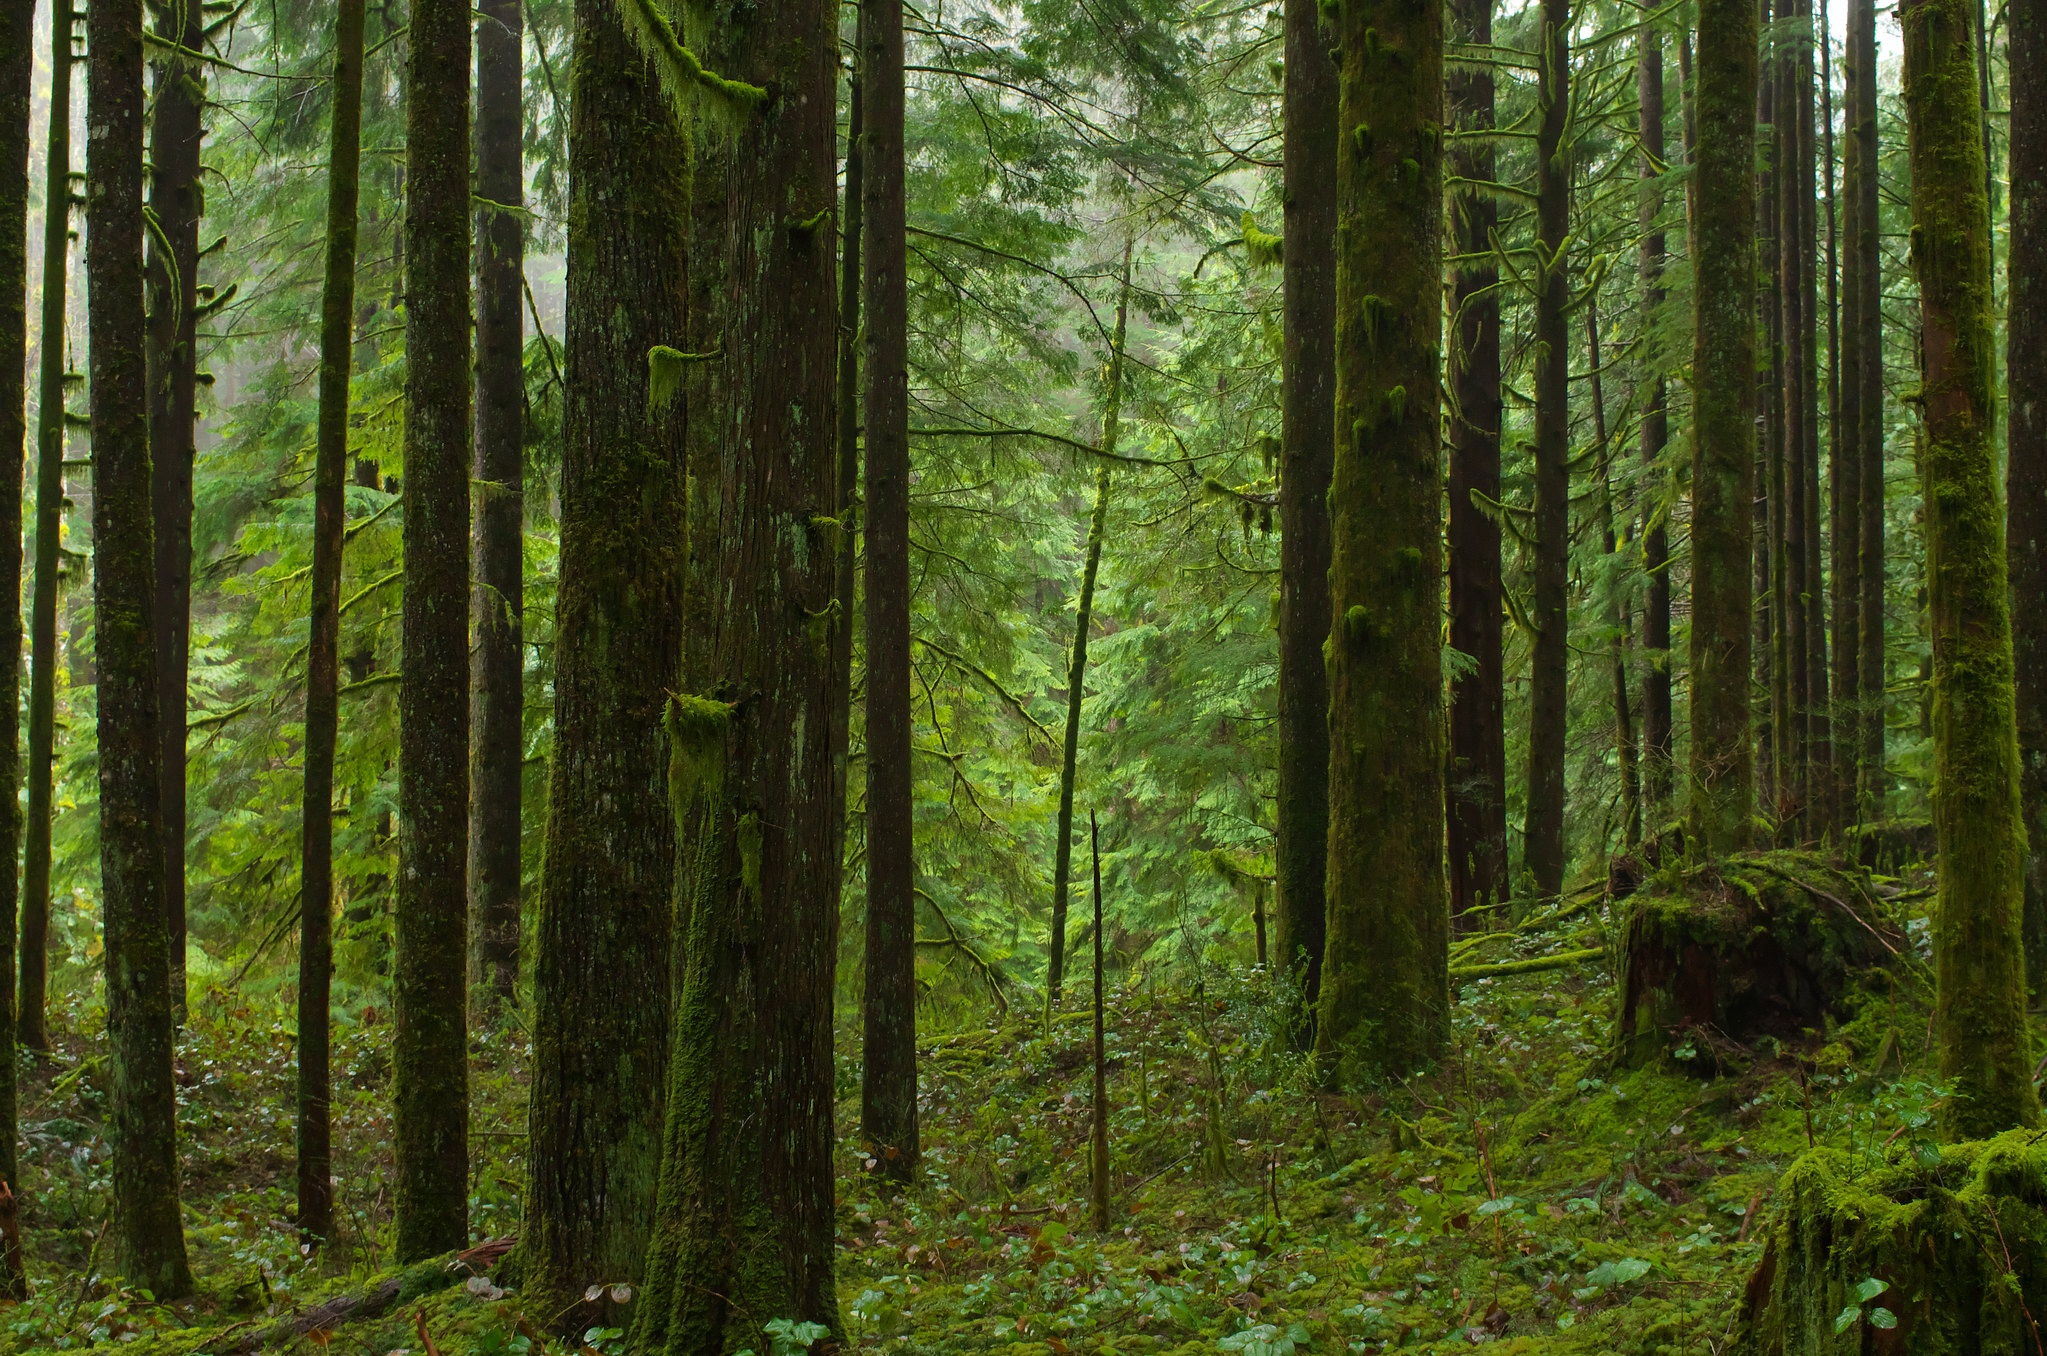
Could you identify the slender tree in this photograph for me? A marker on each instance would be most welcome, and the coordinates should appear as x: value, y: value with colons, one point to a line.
x: 17, y: 71
x: 1098, y: 1129
x: 1721, y: 766
x: 888, y: 1052
x: 1818, y: 819
x: 497, y: 686
x: 1306, y: 441
x: 1627, y: 749
x: 430, y: 1070
x: 844, y: 594
x: 1869, y: 375
x: 1385, y: 982
x: 744, y: 1223
x: 1478, y: 704
x: 323, y: 648
x: 50, y: 426
x: 148, y: 1238
x: 1977, y: 946
x: 607, y: 896
x: 2026, y: 476
x: 1657, y: 766
x: 1788, y: 449
x: 1844, y: 452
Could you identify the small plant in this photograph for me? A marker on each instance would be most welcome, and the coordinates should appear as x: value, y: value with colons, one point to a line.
x: 1265, y: 1339
x: 1876, y: 1315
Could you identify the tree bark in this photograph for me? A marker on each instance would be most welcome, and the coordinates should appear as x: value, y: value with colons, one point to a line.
x: 1819, y: 813
x: 1658, y: 770
x: 1774, y: 564
x: 1869, y: 374
x: 608, y: 894
x: 497, y: 676
x: 1307, y: 440
x: 17, y: 71
x: 2026, y: 476
x: 1098, y: 1129
x: 1477, y: 784
x: 845, y: 592
x: 1844, y: 482
x: 1977, y: 937
x: 1627, y: 750
x: 149, y: 1241
x: 1795, y: 783
x: 1721, y: 766
x: 1549, y: 662
x: 1385, y: 977
x: 744, y: 1225
x: 430, y: 1075
x: 323, y: 649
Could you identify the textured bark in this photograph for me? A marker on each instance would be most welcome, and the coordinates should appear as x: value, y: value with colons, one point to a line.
x: 42, y: 695
x: 1773, y: 615
x: 1721, y: 767
x: 1794, y: 788
x: 1844, y: 481
x: 1977, y: 932
x: 148, y: 1240
x: 1627, y: 749
x: 606, y: 896
x: 1076, y: 668
x: 2026, y: 476
x: 1307, y: 441
x: 429, y: 1060
x: 848, y: 511
x: 1098, y: 1129
x: 1478, y: 708
x: 323, y: 649
x: 744, y: 1225
x: 1869, y: 375
x: 1385, y: 977
x: 17, y: 67
x: 1658, y: 771
x: 497, y: 678
x: 1549, y: 663
x: 1818, y: 817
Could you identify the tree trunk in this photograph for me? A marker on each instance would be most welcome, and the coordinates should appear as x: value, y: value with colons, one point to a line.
x: 176, y: 200
x: 2026, y: 483
x: 149, y: 1241
x: 1627, y: 752
x: 429, y: 1059
x: 323, y: 650
x: 1818, y: 819
x: 1658, y: 772
x: 1478, y: 706
x: 17, y: 70
x: 1773, y: 644
x: 1977, y: 939
x: 1385, y: 978
x: 1307, y: 434
x: 1549, y: 662
x: 888, y: 1053
x: 744, y: 1225
x: 1098, y: 1130
x: 607, y: 897
x: 1721, y: 768
x: 497, y: 676
x: 1076, y: 669
x: 1843, y: 488
x: 1869, y: 438
x: 844, y: 593
x: 1794, y: 788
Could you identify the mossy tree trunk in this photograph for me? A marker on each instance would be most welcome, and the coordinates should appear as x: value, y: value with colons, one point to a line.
x: 600, y: 1049
x: 1385, y: 976
x: 1307, y: 441
x: 429, y: 1061
x: 323, y: 648
x: 1721, y: 764
x: 1844, y: 455
x: 1977, y: 940
x: 148, y: 1238
x: 1620, y: 610
x: 1658, y: 773
x: 743, y: 1229
x: 50, y: 430
x: 1794, y: 593
x: 17, y: 70
x: 845, y: 594
x: 1818, y: 817
x: 1844, y: 484
x: 888, y: 1051
x: 1477, y: 785
x: 1868, y: 374
x: 497, y: 677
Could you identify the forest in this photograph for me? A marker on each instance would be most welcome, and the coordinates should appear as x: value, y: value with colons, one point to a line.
x: 1262, y: 677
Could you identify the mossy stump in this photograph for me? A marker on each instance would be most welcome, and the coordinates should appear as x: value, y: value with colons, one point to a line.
x: 1957, y: 1237
x: 1758, y: 945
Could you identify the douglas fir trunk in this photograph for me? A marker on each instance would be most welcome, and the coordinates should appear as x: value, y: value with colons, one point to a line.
x: 17, y: 67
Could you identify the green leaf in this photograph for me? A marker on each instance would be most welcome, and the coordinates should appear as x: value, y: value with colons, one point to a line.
x: 1869, y: 1289
x: 1846, y: 1318
x: 1881, y: 1317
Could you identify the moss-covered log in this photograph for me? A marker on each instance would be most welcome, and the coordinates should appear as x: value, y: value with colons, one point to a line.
x: 1764, y: 945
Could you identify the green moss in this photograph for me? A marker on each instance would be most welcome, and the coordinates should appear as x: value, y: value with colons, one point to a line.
x: 696, y: 750
x: 1263, y: 247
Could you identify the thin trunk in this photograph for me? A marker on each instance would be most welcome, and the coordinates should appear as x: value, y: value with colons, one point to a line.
x: 1844, y: 468
x: 1723, y: 427
x: 1819, y: 814
x: 1098, y: 1141
x: 1076, y: 668
x: 148, y: 1238
x: 1479, y: 879
x: 607, y: 898
x: 429, y: 1058
x: 2026, y: 482
x: 1869, y: 375
x: 845, y: 591
x: 1307, y: 433
x: 1627, y: 753
x: 1657, y: 768
x: 17, y: 71
x: 888, y: 1054
x: 744, y: 1224
x: 1773, y: 575
x: 1385, y: 979
x: 323, y: 651
x: 497, y: 677
x: 1795, y: 592
x: 1977, y: 928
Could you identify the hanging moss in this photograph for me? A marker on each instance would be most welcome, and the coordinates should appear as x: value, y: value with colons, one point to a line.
x: 1938, y: 1252
x: 1263, y: 247
x: 696, y: 749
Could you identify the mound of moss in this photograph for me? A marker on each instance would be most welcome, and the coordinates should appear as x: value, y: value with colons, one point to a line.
x: 1764, y: 944
x: 1940, y: 1252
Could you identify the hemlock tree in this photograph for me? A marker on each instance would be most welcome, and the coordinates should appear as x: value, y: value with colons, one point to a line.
x: 17, y: 68
x: 1868, y: 374
x: 2026, y: 484
x: 1721, y: 766
x: 148, y: 1239
x: 429, y: 1059
x: 1385, y: 981
x: 1977, y: 942
x: 600, y: 1049
x: 1657, y: 766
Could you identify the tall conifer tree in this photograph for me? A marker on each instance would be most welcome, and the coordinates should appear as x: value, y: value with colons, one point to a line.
x: 17, y: 68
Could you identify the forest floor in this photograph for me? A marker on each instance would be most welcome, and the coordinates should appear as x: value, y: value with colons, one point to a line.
x: 1531, y: 1195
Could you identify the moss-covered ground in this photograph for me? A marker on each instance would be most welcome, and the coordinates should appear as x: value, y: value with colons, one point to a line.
x: 1532, y: 1194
